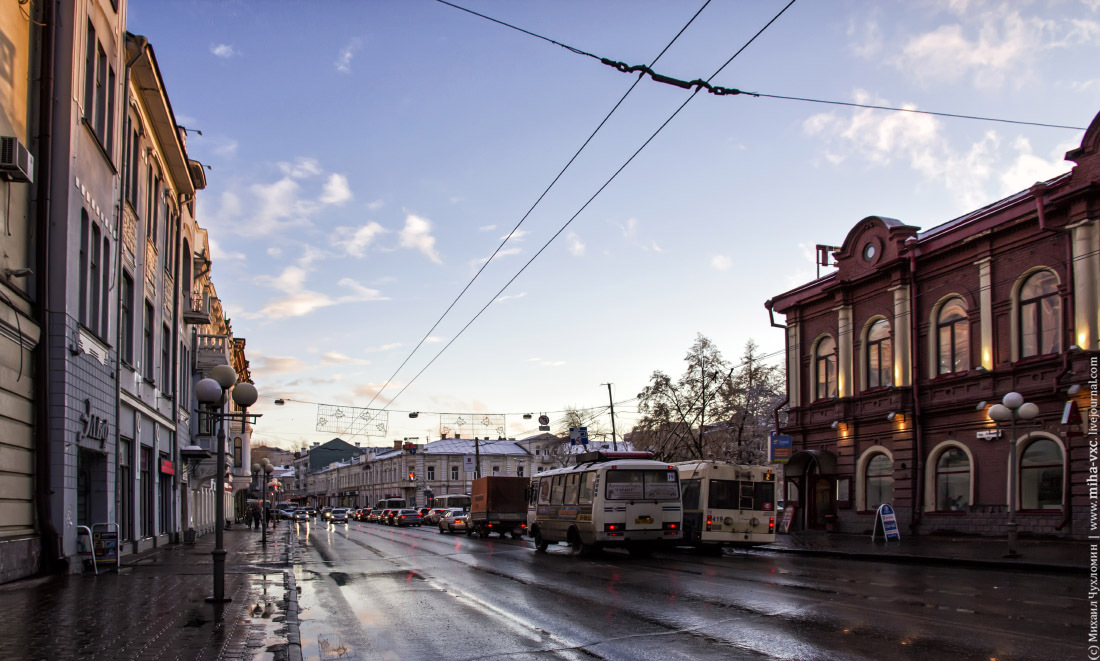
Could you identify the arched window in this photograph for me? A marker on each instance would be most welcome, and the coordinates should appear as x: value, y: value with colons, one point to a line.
x: 1041, y: 476
x: 879, y: 481
x: 186, y: 263
x: 952, y: 481
x: 1040, y: 315
x: 238, y: 452
x: 880, y: 355
x: 953, y: 337
x: 825, y: 368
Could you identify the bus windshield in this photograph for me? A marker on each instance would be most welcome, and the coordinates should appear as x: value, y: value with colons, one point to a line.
x: 738, y: 495
x: 642, y: 484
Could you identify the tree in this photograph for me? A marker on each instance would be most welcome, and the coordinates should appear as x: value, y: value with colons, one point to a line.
x: 748, y: 403
x: 676, y: 413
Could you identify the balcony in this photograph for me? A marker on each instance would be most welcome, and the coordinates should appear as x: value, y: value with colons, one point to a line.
x: 197, y: 309
x: 211, y: 351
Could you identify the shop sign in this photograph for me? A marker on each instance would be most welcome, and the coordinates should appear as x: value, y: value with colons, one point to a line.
x: 779, y: 448
x: 889, y: 523
x: 93, y: 426
x: 166, y: 467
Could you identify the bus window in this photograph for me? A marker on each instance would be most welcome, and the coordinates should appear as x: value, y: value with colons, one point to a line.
x: 662, y: 485
x: 689, y: 490
x: 544, y: 491
x: 722, y: 494
x: 588, y: 481
x: 570, y: 489
x: 747, y: 493
x: 557, y: 490
x: 765, y: 496
x: 642, y: 485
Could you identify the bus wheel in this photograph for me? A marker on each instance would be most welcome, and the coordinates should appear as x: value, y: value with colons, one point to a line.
x: 574, y: 541
x: 540, y: 544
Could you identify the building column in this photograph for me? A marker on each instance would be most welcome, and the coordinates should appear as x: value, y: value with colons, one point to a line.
x: 985, y: 310
x: 902, y: 369
x: 844, y: 351
x: 1086, y: 267
x: 794, y: 361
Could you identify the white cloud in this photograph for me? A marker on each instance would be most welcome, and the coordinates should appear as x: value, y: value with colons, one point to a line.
x: 516, y: 235
x: 375, y: 205
x: 336, y: 190
x: 385, y: 347
x: 263, y: 364
x: 301, y: 168
x: 355, y: 241
x: 509, y: 297
x: 721, y: 262
x: 217, y: 254
x: 222, y: 50
x: 1029, y: 168
x: 299, y: 301
x: 503, y: 252
x: 629, y: 228
x: 489, y: 228
x: 432, y: 339
x: 576, y: 246
x: 225, y: 147
x: 546, y: 363
x: 417, y: 235
x: 343, y: 60
x: 275, y: 251
x: 335, y: 358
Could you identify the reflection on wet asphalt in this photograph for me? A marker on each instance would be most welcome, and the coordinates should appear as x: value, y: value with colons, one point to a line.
x: 371, y: 591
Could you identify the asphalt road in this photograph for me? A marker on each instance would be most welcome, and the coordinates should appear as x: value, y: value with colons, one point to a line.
x: 375, y: 592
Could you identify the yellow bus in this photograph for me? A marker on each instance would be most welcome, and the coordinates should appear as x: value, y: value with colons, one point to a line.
x: 727, y: 504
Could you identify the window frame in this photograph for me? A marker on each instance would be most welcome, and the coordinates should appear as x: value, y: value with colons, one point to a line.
x: 1021, y: 482
x: 937, y: 472
x: 1034, y: 305
x: 822, y: 389
x: 880, y: 349
x: 957, y: 353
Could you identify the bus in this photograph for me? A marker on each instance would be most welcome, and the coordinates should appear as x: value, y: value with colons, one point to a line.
x: 727, y: 504
x: 608, y: 499
x: 452, y: 500
x: 390, y: 503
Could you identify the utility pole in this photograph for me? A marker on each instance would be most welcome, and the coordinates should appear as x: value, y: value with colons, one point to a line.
x: 611, y: 400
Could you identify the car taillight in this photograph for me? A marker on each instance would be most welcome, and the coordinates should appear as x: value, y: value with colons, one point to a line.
x: 670, y: 525
x: 710, y: 522
x: 402, y: 517
x: 771, y: 524
x: 612, y: 526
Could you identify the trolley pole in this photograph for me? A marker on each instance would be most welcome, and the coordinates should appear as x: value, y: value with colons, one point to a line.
x: 611, y: 400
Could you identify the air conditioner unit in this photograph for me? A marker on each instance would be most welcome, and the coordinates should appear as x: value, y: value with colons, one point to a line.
x: 16, y: 163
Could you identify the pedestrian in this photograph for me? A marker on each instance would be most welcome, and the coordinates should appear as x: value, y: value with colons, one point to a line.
x: 256, y: 516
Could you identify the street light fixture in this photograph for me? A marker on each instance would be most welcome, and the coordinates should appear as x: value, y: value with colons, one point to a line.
x: 262, y: 472
x: 1012, y: 408
x: 212, y: 392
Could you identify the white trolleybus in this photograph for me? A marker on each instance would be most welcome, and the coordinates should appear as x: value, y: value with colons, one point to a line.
x: 727, y: 504
x: 608, y: 499
x: 452, y: 500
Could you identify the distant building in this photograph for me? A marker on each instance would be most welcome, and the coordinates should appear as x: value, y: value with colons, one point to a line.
x: 894, y: 359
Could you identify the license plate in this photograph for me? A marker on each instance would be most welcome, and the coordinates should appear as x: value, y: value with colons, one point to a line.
x: 644, y: 519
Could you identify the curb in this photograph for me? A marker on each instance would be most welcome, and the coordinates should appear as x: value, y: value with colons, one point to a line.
x: 936, y: 560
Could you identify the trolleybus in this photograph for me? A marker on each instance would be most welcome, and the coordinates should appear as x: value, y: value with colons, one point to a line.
x: 727, y: 504
x: 452, y: 500
x: 608, y: 499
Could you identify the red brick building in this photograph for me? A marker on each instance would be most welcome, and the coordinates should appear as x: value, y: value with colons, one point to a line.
x: 894, y: 359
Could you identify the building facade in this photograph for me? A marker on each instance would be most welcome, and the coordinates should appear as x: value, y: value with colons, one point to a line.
x: 894, y: 359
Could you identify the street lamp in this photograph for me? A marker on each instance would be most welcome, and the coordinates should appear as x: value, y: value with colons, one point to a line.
x: 212, y: 392
x: 1012, y: 408
x: 266, y: 469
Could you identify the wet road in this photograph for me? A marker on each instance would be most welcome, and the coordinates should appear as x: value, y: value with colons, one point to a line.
x: 369, y: 591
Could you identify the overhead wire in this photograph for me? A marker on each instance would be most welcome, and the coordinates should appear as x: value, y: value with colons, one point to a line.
x: 544, y: 192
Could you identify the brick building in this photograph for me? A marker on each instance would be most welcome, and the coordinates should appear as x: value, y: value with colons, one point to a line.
x: 894, y: 359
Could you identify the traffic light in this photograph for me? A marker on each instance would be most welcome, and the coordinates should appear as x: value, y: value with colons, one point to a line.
x: 412, y: 476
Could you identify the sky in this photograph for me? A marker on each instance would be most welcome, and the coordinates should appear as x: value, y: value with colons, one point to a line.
x: 366, y: 158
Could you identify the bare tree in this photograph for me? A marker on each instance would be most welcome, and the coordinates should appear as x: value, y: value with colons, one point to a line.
x: 676, y: 413
x: 748, y: 400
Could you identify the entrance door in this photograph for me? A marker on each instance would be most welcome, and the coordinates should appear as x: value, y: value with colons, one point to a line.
x: 822, y: 497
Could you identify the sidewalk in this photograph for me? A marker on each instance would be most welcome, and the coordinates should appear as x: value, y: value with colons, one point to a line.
x: 154, y: 606
x: 1054, y: 555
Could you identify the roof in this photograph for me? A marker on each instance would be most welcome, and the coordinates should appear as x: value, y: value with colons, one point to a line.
x: 466, y: 446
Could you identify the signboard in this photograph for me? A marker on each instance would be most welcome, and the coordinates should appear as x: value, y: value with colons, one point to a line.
x: 578, y: 435
x: 544, y: 419
x: 105, y: 543
x: 988, y: 434
x: 468, y: 464
x: 788, y: 517
x: 885, y: 515
x: 166, y: 467
x: 779, y: 448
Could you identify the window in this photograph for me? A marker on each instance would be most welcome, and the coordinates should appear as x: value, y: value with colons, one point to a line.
x: 171, y: 227
x: 145, y: 488
x: 825, y: 368
x: 185, y: 374
x: 105, y: 286
x: 496, y: 470
x: 454, y: 472
x: 85, y: 249
x: 431, y: 472
x: 238, y: 451
x: 879, y: 481
x: 880, y: 355
x: 544, y: 491
x: 99, y: 91
x: 642, y: 484
x: 557, y: 489
x: 166, y: 360
x: 953, y: 337
x: 519, y: 471
x: 571, y: 489
x: 91, y: 319
x: 588, y: 484
x: 1041, y: 476
x: 1040, y: 313
x: 150, y: 352
x: 94, y: 276
x: 952, y: 481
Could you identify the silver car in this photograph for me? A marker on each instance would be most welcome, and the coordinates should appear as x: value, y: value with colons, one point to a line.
x: 453, y: 519
x: 338, y: 515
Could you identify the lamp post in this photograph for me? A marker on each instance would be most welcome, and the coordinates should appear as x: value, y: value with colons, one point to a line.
x: 263, y: 471
x: 212, y: 392
x: 1012, y: 408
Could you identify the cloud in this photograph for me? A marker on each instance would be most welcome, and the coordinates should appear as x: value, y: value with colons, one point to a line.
x: 385, y: 347
x: 355, y: 241
x: 336, y: 190
x: 224, y: 51
x: 576, y: 246
x: 546, y: 363
x: 432, y: 339
x: 275, y: 251
x: 218, y: 254
x: 343, y: 60
x: 489, y: 228
x: 417, y: 235
x: 629, y: 228
x: 267, y: 365
x: 503, y: 252
x: 516, y: 235
x: 299, y: 301
x: 375, y: 205
x: 509, y: 297
x: 225, y: 147
x: 301, y: 168
x: 1029, y: 168
x: 721, y: 262
x: 335, y: 358
x: 369, y: 391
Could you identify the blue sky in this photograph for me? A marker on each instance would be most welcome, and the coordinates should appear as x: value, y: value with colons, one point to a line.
x: 366, y: 157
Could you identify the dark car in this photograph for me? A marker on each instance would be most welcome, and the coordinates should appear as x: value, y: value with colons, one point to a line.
x: 406, y: 518
x: 432, y: 517
x: 384, y: 517
x: 423, y: 511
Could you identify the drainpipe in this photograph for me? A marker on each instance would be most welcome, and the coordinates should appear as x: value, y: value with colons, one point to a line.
x: 787, y: 398
x: 914, y: 375
x: 50, y: 540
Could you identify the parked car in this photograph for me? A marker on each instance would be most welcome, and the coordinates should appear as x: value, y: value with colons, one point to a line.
x: 338, y: 515
x: 452, y: 520
x: 432, y: 517
x: 406, y: 518
x: 387, y: 516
